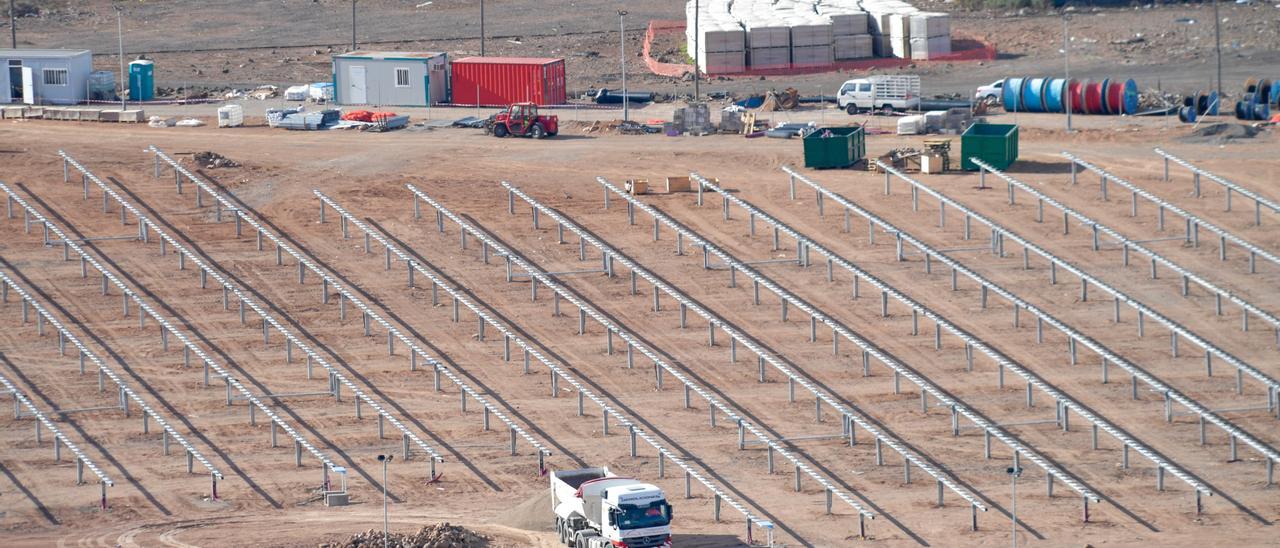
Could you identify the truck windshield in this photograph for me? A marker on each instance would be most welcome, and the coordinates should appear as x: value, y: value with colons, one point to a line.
x: 631, y: 516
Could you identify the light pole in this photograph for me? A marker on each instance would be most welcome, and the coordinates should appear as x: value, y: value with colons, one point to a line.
x: 120, y: 43
x: 697, y: 45
x: 384, y: 459
x: 622, y: 54
x: 1014, y: 472
x: 13, y: 26
x: 353, y: 25
x: 482, y: 28
x: 1217, y: 45
x: 1066, y: 60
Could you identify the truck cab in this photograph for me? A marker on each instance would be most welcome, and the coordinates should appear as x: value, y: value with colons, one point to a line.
x: 596, y: 509
x: 886, y: 93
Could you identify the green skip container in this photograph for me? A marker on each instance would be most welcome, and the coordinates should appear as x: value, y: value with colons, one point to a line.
x: 834, y: 147
x: 995, y: 144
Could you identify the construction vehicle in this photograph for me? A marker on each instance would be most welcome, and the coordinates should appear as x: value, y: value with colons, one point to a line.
x: 523, y: 120
x: 887, y: 94
x: 596, y: 509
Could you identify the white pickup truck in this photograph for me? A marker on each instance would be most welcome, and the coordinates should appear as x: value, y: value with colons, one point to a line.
x: 596, y: 509
x: 885, y: 93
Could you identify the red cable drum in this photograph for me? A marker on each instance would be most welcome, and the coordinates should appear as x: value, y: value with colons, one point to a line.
x: 1093, y: 98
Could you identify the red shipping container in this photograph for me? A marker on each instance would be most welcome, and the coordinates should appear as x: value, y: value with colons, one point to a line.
x: 499, y: 81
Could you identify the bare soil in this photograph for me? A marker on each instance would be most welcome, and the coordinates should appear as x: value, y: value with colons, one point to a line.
x: 267, y: 500
x: 234, y: 43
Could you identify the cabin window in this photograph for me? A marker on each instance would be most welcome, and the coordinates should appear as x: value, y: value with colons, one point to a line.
x: 402, y: 77
x: 55, y: 77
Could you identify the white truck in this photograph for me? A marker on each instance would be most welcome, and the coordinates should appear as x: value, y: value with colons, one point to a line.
x: 596, y: 509
x: 885, y: 93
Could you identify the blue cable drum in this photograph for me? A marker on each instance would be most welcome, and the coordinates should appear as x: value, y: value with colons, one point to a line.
x: 1011, y: 94
x: 1213, y: 106
x: 1261, y: 111
x: 1106, y: 106
x: 1033, y: 95
x: 1240, y: 106
x: 1054, y: 91
x: 1129, y: 100
x: 1187, y: 114
x: 1274, y: 100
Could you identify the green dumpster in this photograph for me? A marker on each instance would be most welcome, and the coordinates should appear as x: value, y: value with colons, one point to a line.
x: 834, y: 147
x: 995, y: 144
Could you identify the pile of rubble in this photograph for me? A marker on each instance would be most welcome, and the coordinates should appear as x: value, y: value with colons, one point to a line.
x: 441, y: 535
x: 213, y: 160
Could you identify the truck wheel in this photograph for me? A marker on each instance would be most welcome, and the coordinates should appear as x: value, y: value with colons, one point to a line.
x: 887, y: 110
x: 851, y: 109
x: 537, y: 131
x: 499, y: 131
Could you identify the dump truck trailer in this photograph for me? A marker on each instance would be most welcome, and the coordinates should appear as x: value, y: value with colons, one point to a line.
x: 595, y: 508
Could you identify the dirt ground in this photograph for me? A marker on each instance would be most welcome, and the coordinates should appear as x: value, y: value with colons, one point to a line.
x: 266, y: 500
x: 233, y: 43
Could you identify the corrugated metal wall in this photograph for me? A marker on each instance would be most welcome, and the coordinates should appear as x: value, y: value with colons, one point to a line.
x: 501, y: 81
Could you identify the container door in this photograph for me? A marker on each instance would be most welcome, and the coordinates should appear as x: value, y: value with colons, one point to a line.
x: 28, y: 86
x: 357, y: 94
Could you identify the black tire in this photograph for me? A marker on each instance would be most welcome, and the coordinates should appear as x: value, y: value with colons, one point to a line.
x: 887, y: 110
x: 537, y: 131
x: 851, y: 109
x: 499, y: 130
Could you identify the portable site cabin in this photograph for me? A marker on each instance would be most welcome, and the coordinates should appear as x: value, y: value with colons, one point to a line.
x: 390, y: 78
x: 45, y: 76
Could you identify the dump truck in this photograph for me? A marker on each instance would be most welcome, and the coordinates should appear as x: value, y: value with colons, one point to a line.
x: 885, y: 93
x: 595, y: 508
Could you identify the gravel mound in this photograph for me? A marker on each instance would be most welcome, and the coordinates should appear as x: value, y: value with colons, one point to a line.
x: 441, y: 535
x: 213, y: 160
x: 1219, y: 134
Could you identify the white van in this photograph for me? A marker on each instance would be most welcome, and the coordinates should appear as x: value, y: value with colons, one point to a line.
x: 885, y: 93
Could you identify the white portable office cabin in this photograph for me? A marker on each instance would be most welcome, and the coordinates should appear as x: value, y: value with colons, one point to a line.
x: 44, y: 76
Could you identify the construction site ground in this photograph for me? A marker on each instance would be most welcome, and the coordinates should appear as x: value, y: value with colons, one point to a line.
x: 240, y: 44
x: 266, y: 500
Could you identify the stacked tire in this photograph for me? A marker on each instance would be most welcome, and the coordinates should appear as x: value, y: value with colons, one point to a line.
x: 1108, y: 96
x: 1261, y: 98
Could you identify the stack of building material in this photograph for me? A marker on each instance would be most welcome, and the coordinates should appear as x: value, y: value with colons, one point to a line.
x: 849, y: 36
x: 736, y: 35
x: 811, y: 40
x: 719, y: 45
x: 889, y: 27
x: 768, y: 43
x: 930, y: 35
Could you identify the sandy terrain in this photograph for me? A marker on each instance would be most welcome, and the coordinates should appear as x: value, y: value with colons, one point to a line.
x: 265, y: 499
x: 285, y: 42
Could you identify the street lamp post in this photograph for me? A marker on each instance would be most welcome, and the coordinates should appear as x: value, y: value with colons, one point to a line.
x: 13, y: 26
x: 482, y: 28
x: 353, y: 25
x: 384, y: 459
x: 1066, y: 60
x: 1014, y: 472
x: 622, y: 53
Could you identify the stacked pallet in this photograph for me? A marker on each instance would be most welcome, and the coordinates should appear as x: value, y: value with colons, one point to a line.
x: 890, y: 27
x: 768, y: 42
x: 811, y: 40
x: 930, y: 35
x: 739, y: 35
x: 719, y: 47
x: 849, y: 29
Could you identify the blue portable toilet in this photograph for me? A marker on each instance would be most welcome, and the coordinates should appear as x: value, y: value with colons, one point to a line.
x: 142, y: 80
